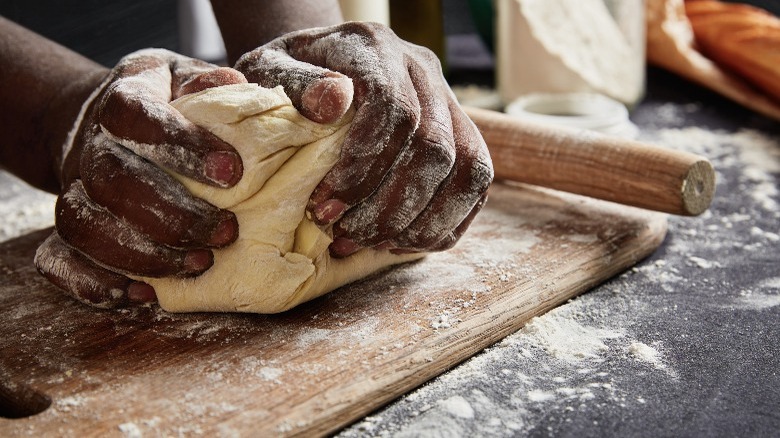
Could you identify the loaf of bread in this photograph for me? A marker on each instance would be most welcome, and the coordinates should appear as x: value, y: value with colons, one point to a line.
x: 741, y: 38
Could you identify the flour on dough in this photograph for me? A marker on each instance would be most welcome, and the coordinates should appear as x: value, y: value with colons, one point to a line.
x: 281, y: 258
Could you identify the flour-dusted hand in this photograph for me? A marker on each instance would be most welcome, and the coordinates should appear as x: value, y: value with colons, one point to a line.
x: 413, y: 170
x: 119, y: 213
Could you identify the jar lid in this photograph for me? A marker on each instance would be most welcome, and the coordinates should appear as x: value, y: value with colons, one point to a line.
x: 591, y: 111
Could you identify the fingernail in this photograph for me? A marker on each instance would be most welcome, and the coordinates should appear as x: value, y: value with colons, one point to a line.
x: 343, y: 247
x: 327, y: 99
x: 197, y: 261
x: 222, y: 168
x: 225, y: 233
x: 329, y: 211
x: 140, y: 292
x: 216, y: 78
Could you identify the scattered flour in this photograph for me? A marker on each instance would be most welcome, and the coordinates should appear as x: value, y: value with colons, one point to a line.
x: 761, y: 234
x: 757, y: 152
x: 564, y: 361
x: 442, y: 321
x: 22, y: 208
x: 538, y: 395
x: 702, y: 263
x: 766, y: 295
x: 646, y: 353
x: 758, y: 301
x: 566, y: 339
x: 270, y: 373
x: 312, y: 336
x: 67, y: 404
x: 582, y: 238
x: 130, y: 430
x: 457, y: 406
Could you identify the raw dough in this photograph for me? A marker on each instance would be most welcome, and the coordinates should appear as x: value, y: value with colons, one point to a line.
x: 281, y: 258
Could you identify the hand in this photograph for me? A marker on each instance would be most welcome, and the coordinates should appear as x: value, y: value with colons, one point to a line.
x: 413, y: 170
x: 119, y: 213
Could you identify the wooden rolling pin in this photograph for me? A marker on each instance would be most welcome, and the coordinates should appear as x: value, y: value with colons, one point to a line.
x: 595, y: 165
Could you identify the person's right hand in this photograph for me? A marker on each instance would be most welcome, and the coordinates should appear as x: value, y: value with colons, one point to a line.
x: 414, y: 170
x: 119, y: 213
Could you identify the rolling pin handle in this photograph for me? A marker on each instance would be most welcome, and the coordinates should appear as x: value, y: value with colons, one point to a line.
x: 596, y: 165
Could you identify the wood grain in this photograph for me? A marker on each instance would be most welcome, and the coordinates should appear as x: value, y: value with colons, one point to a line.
x: 314, y: 369
x: 600, y: 166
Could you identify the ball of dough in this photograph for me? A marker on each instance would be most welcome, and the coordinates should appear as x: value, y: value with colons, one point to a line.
x: 280, y: 258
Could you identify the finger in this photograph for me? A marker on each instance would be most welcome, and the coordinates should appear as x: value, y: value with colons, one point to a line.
x: 321, y: 95
x: 452, y: 237
x: 388, y: 111
x: 82, y: 279
x: 135, y: 112
x: 151, y: 201
x: 94, y: 231
x: 414, y: 179
x: 458, y: 195
x: 379, y: 132
x: 449, y: 240
x: 387, y: 108
x: 209, y: 79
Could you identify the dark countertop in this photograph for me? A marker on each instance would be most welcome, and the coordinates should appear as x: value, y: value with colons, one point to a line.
x: 685, y: 344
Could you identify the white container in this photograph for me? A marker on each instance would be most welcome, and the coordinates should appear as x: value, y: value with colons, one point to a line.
x: 589, y: 111
x: 199, y: 34
x: 565, y: 46
x: 377, y: 11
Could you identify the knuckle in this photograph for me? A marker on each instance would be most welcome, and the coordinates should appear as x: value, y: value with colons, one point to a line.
x: 483, y: 177
x: 114, y: 102
x: 481, y: 174
x: 441, y: 151
x: 425, y: 55
x: 373, y: 31
x: 394, y: 225
x: 402, y: 113
x: 446, y: 243
x: 144, y: 56
x: 432, y: 164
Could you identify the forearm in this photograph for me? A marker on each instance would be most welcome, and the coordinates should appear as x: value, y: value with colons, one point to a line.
x: 42, y: 87
x: 246, y: 24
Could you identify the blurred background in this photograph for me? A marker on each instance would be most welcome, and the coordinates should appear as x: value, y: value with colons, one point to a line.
x: 106, y: 30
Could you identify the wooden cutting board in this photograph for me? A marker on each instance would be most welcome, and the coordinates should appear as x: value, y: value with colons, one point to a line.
x: 318, y: 367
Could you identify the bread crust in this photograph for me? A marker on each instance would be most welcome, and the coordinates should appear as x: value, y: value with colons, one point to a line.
x: 741, y: 38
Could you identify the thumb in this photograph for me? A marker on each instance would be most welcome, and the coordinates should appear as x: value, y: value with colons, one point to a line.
x: 212, y: 78
x: 321, y: 95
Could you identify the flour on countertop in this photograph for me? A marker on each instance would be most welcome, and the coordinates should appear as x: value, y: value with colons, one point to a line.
x: 702, y: 263
x: 23, y: 208
x: 564, y: 338
x: 558, y: 362
x: 69, y: 403
x: 130, y: 430
x: 536, y: 380
x: 457, y: 406
x: 765, y: 295
x: 646, y: 353
x: 758, y: 301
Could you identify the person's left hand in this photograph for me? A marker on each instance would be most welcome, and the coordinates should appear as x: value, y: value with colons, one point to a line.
x: 120, y: 214
x: 414, y: 170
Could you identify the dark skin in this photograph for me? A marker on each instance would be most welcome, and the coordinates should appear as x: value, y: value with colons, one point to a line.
x: 119, y: 214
